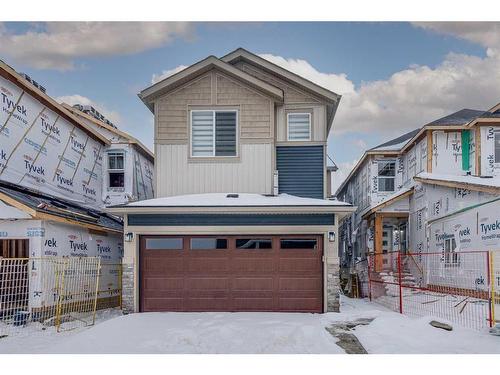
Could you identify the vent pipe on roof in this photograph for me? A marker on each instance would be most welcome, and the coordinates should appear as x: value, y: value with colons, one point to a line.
x: 275, y: 184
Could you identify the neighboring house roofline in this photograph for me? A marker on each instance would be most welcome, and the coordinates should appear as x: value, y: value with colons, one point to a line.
x: 389, y: 200
x: 42, y: 207
x: 360, y: 162
x: 164, y: 86
x: 495, y: 108
x: 462, y: 124
x: 10, y: 74
x: 130, y: 138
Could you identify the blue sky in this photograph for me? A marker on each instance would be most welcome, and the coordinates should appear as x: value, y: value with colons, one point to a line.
x: 393, y: 76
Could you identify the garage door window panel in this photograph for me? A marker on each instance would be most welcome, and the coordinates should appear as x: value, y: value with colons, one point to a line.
x: 164, y: 243
x: 298, y: 244
x: 254, y: 243
x: 207, y: 243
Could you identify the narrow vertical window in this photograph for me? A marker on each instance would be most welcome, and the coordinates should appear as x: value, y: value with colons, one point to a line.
x: 386, y: 175
x: 497, y: 147
x: 299, y: 126
x: 116, y: 170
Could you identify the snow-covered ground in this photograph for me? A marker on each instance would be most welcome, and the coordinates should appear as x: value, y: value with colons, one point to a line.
x: 389, y: 332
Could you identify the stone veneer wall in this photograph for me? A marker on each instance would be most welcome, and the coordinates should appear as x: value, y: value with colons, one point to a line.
x: 128, y: 288
x: 333, y: 287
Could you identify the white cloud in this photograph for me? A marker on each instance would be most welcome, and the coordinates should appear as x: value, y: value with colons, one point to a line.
x: 111, y: 115
x: 411, y: 97
x: 56, y: 45
x: 167, y: 73
x: 486, y: 34
x: 338, y: 83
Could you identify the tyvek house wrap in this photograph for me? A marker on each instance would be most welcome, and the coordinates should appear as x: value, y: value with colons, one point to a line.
x: 138, y: 178
x: 43, y: 151
x: 431, y: 202
x: 138, y: 182
x: 488, y: 165
x: 50, y: 239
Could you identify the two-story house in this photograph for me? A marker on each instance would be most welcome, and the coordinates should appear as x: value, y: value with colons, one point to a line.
x: 405, y: 190
x: 240, y: 221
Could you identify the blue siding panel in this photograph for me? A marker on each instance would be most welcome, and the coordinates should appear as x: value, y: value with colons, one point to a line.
x: 301, y: 170
x: 229, y: 219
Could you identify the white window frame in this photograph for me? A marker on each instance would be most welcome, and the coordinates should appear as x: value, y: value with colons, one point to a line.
x: 288, y: 126
x: 496, y: 133
x: 110, y: 170
x: 451, y: 256
x: 386, y: 177
x: 214, y: 111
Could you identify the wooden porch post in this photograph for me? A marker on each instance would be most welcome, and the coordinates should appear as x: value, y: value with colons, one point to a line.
x: 378, y: 242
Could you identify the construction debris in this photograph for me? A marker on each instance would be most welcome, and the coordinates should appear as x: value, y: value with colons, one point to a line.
x: 444, y: 326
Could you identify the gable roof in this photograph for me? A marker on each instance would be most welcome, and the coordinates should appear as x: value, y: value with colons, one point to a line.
x: 243, y: 54
x: 491, y: 115
x: 150, y: 93
x: 462, y: 117
x: 329, y: 96
x: 396, y: 143
x: 10, y: 74
x: 131, y: 139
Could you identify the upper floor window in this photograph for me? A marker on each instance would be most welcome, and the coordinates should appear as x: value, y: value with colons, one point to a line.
x: 214, y: 133
x: 497, y: 146
x: 451, y: 256
x: 116, y: 169
x: 299, y: 126
x: 386, y: 175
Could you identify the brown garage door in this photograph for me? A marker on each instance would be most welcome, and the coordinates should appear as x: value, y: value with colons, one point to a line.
x: 231, y: 273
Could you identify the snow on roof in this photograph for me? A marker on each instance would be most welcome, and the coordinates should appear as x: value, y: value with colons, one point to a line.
x: 242, y: 200
x: 473, y: 180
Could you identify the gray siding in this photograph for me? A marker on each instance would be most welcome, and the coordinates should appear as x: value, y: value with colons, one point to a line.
x: 229, y: 219
x: 301, y: 170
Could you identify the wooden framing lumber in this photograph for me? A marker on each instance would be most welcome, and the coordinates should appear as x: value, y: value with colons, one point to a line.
x: 429, y: 151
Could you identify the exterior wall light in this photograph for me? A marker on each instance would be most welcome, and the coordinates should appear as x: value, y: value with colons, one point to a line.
x: 129, y: 236
x: 331, y: 236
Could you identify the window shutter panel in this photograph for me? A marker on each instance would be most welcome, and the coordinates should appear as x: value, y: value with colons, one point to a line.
x: 202, y: 129
x: 299, y: 126
x: 225, y: 134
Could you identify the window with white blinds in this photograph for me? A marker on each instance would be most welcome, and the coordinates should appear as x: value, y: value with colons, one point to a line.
x: 213, y: 133
x: 299, y: 126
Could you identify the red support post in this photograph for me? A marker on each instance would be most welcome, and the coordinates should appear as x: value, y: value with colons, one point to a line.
x: 400, y: 284
x: 491, y: 296
x: 369, y: 278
